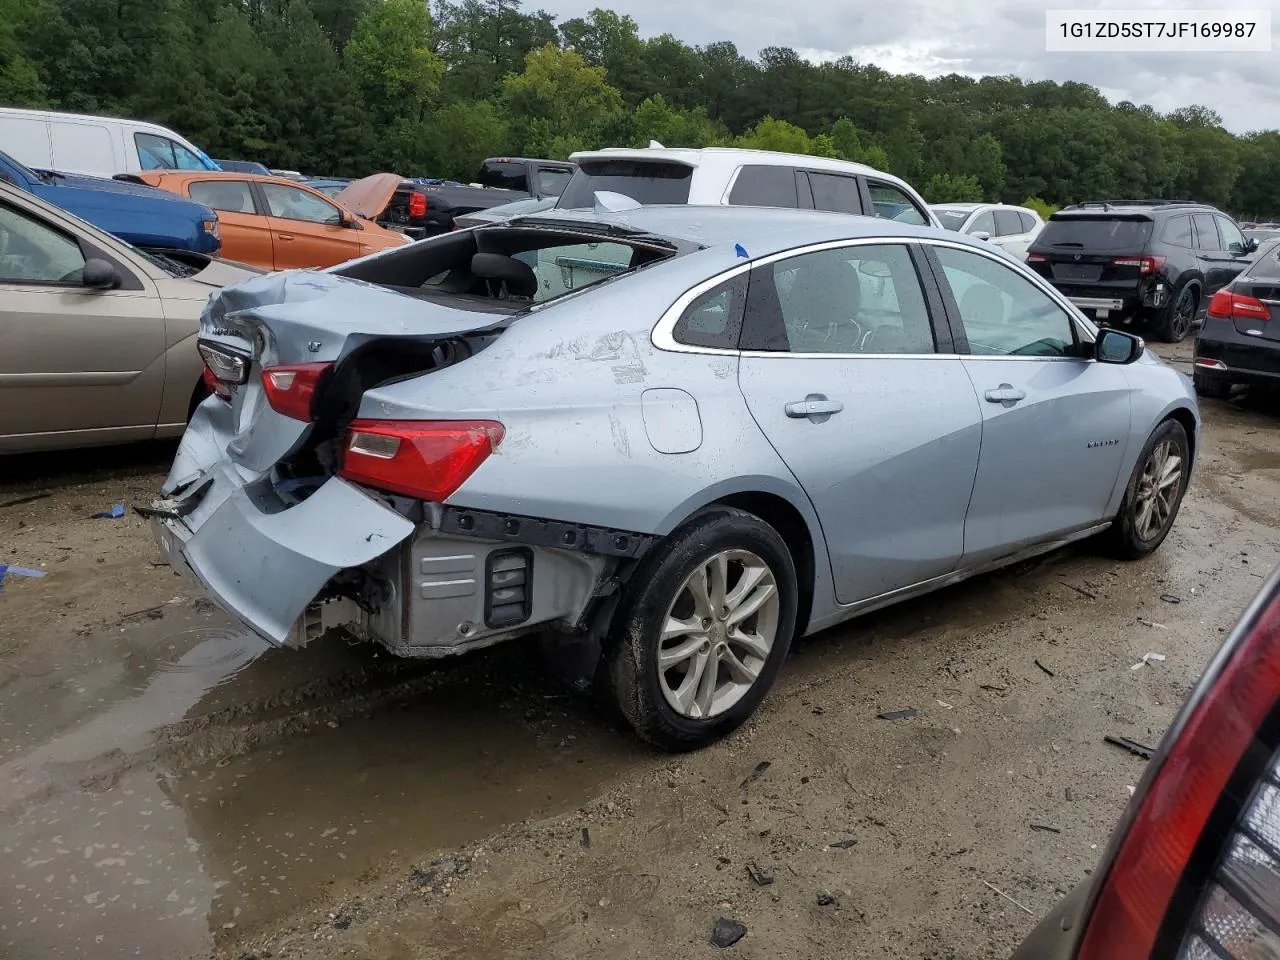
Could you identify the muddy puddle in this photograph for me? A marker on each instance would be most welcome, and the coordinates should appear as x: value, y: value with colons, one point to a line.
x: 188, y: 785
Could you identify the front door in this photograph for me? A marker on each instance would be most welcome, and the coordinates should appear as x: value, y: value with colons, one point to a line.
x: 1054, y: 426
x: 72, y: 358
x: 246, y: 233
x: 842, y: 372
x: 306, y: 228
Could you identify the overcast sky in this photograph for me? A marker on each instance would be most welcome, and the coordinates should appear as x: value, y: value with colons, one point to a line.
x: 976, y: 37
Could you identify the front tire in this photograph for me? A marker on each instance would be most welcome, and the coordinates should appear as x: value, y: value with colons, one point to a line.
x: 699, y: 640
x: 1177, y: 319
x: 1154, y: 493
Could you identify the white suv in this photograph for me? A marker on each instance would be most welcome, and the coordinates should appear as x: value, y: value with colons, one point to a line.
x: 725, y: 176
x: 1012, y: 228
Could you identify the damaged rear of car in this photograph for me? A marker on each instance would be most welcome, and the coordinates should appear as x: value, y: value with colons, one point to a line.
x: 301, y: 501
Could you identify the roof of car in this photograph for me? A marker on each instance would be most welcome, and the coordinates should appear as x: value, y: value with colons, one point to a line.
x: 1147, y: 207
x: 692, y: 157
x: 961, y: 206
x: 755, y: 228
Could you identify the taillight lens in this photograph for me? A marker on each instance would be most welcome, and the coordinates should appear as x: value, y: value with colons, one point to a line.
x: 417, y: 204
x: 1145, y: 265
x: 223, y: 369
x: 290, y: 388
x: 1227, y: 304
x: 426, y: 459
x: 1036, y: 258
x: 1167, y: 827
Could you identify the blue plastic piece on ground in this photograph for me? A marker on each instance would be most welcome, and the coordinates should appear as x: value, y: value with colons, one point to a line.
x: 740, y: 250
x: 115, y: 513
x: 18, y: 572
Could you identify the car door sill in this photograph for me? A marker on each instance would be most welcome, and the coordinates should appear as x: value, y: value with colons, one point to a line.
x: 948, y: 579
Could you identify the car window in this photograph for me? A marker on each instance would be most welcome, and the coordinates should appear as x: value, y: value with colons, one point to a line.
x: 185, y: 159
x: 154, y: 153
x: 1095, y: 233
x: 1007, y: 223
x: 503, y: 174
x: 892, y: 204
x: 984, y: 222
x: 1232, y: 238
x: 951, y: 218
x: 762, y: 185
x: 714, y: 319
x: 1266, y: 265
x: 644, y: 181
x: 1206, y: 232
x: 231, y: 196
x: 1003, y: 312
x: 1028, y: 221
x: 563, y: 269
x: 31, y: 251
x: 290, y: 203
x: 1177, y: 231
x: 863, y: 299
x: 551, y: 180
x: 834, y: 192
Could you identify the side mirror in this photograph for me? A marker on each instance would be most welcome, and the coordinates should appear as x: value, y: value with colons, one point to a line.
x: 1116, y: 346
x: 1250, y: 244
x: 980, y: 235
x: 99, y: 275
x: 349, y: 220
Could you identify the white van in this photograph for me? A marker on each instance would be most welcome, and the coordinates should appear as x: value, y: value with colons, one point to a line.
x: 98, y: 146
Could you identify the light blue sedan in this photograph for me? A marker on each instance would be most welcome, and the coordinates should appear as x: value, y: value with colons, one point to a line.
x: 754, y: 425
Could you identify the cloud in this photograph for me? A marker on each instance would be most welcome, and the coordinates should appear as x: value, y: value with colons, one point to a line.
x: 936, y: 37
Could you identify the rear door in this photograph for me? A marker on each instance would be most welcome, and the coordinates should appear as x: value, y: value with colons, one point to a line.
x: 1055, y: 427
x: 245, y: 231
x: 306, y: 229
x: 1010, y: 234
x: 765, y: 185
x: 847, y: 373
x: 834, y: 191
x: 73, y: 358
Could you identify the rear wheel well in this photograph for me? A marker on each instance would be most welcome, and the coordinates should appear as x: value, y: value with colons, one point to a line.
x: 789, y: 523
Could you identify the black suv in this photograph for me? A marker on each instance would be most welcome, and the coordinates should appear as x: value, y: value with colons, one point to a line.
x: 1153, y: 262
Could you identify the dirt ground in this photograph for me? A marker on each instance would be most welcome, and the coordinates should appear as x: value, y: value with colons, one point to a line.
x: 171, y: 788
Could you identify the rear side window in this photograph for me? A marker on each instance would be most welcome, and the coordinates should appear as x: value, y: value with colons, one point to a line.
x: 1028, y: 221
x: 1266, y: 266
x: 504, y: 175
x: 1007, y: 223
x: 1177, y: 231
x: 551, y: 180
x: 760, y: 185
x: 1096, y: 234
x: 715, y: 318
x: 892, y: 204
x: 983, y: 223
x: 644, y: 181
x: 232, y: 196
x: 1206, y: 232
x: 834, y: 192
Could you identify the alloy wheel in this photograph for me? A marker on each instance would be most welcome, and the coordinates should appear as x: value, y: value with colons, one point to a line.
x: 718, y: 633
x: 1183, y: 314
x: 1157, y: 493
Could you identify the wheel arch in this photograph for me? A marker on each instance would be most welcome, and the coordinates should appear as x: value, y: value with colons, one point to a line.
x: 1189, y: 423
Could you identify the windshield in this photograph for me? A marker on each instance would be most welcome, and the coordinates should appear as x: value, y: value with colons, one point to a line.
x: 644, y: 181
x: 504, y: 174
x: 950, y: 218
x: 1101, y: 234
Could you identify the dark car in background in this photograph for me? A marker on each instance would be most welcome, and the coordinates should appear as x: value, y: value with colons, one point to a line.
x: 1149, y: 263
x: 1240, y: 340
x: 141, y: 215
x: 1193, y: 869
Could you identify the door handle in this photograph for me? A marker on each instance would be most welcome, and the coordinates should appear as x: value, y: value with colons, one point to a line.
x: 284, y: 236
x: 1006, y: 394
x: 815, y: 406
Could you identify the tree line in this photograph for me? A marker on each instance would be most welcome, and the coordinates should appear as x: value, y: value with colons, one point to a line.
x: 349, y: 87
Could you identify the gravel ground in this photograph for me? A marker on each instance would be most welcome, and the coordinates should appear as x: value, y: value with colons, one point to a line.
x: 170, y: 788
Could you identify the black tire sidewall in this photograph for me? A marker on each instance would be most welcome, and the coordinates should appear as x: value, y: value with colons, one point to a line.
x: 1126, y: 540
x: 631, y: 665
x: 1164, y: 329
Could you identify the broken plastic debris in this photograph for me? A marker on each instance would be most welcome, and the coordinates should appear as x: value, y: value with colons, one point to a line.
x: 1148, y: 658
x: 727, y: 932
x: 740, y: 250
x: 1133, y: 746
x: 906, y: 714
x: 115, y: 513
x: 6, y: 568
x: 761, y: 767
x: 1151, y: 623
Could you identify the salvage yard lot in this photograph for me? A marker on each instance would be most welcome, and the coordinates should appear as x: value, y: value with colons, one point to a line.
x: 168, y: 785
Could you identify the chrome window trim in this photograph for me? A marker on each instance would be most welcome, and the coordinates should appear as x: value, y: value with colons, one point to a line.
x: 663, y: 339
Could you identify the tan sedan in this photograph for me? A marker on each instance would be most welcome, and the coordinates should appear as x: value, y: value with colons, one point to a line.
x: 97, y: 338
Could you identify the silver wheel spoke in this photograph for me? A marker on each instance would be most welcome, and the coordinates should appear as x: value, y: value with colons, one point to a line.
x: 717, y: 582
x: 1172, y: 472
x: 670, y: 656
x: 755, y: 645
x: 698, y: 589
x: 707, y: 686
x: 738, y: 670
x: 685, y: 693
x: 1143, y: 520
x: 680, y: 628
x: 751, y: 577
x: 758, y: 598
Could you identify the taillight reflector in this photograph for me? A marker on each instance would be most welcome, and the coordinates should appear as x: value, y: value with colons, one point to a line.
x: 417, y: 204
x: 1227, y: 304
x: 1135, y: 897
x: 290, y: 388
x: 215, y: 386
x: 426, y: 459
x: 1145, y: 265
x: 1036, y: 258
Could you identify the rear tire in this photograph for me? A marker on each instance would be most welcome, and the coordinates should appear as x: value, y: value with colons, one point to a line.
x: 1154, y: 494
x: 723, y: 591
x: 1215, y: 388
x: 1179, y: 316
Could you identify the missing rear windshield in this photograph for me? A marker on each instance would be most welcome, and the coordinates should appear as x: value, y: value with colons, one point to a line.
x: 508, y: 269
x: 1102, y: 234
x: 644, y: 181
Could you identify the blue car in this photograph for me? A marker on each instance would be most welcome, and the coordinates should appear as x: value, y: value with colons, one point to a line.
x: 138, y: 214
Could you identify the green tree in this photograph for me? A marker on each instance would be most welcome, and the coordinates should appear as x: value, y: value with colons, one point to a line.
x: 391, y: 56
x: 1046, y: 210
x: 20, y: 83
x: 559, y: 103
x: 953, y: 188
x: 656, y: 119
x: 774, y: 134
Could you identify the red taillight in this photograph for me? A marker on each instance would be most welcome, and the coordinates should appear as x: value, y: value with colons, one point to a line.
x: 1228, y: 305
x: 426, y: 459
x: 214, y: 385
x: 1036, y: 258
x: 1145, y: 265
x: 291, y: 387
x: 417, y: 204
x: 1135, y: 897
